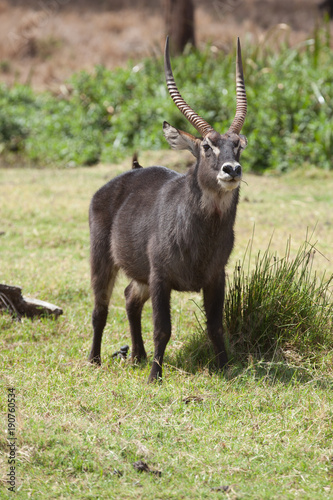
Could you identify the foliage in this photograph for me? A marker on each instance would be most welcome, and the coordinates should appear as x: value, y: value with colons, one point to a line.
x: 108, y: 114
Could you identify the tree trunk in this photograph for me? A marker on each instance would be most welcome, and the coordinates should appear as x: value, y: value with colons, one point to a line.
x: 179, y: 23
x: 327, y: 7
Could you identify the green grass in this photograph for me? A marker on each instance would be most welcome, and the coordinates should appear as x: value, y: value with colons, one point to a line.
x: 80, y: 430
x: 264, y: 428
x: 280, y: 307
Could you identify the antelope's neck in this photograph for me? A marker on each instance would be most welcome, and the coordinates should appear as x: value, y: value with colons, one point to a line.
x: 219, y: 204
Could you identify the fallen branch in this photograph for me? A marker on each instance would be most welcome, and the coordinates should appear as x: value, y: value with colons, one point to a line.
x: 12, y: 301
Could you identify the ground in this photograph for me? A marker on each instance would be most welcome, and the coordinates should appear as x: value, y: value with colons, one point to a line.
x: 44, y: 41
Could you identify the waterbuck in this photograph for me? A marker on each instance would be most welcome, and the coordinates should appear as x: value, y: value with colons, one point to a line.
x: 169, y: 231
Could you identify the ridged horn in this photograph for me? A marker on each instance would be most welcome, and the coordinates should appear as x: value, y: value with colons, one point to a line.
x: 241, y: 105
x: 201, y: 125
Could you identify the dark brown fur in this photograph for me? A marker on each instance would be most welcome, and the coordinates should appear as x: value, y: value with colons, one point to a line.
x: 167, y: 232
x: 135, y: 162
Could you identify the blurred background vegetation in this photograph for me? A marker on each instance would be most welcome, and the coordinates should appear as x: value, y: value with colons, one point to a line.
x: 113, y: 107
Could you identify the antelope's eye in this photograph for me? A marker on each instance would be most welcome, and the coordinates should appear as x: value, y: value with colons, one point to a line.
x: 206, y: 147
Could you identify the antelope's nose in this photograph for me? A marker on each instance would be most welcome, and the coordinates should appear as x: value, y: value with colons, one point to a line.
x: 233, y: 169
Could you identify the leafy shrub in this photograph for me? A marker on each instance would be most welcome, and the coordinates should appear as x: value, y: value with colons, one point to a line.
x: 109, y: 114
x: 16, y: 107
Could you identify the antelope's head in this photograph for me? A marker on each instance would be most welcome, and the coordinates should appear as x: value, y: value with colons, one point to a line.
x: 218, y: 154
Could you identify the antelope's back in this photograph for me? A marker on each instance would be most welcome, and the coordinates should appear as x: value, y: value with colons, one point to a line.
x: 138, y: 188
x: 123, y: 215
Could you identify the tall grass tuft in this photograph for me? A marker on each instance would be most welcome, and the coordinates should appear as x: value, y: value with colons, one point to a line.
x: 279, y: 308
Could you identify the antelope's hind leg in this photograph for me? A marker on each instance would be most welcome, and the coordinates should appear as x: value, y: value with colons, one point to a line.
x: 136, y: 295
x: 103, y: 280
x: 160, y: 296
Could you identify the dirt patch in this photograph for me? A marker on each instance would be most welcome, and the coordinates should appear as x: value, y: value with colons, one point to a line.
x: 44, y: 41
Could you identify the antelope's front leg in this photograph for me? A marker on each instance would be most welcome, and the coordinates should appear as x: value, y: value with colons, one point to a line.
x: 213, y: 302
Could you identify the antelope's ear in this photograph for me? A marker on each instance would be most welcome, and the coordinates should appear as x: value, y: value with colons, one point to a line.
x: 181, y: 140
x: 243, y: 141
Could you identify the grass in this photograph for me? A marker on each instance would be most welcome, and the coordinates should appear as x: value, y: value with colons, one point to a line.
x: 261, y: 430
x: 80, y: 430
x: 280, y: 306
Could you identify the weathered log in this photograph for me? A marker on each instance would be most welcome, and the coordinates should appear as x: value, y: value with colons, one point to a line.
x: 12, y: 301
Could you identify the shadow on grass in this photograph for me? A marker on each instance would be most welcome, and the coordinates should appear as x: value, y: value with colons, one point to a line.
x: 280, y: 372
x: 197, y: 355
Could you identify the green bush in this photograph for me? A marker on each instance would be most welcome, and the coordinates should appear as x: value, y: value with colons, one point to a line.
x: 109, y: 114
